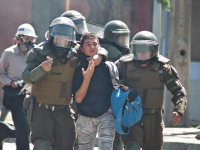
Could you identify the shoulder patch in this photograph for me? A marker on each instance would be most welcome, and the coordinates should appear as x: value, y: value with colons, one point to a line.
x: 163, y: 59
x: 32, y: 55
x: 44, y: 49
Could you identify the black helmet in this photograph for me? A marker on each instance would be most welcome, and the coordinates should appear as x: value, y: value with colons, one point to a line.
x: 117, y: 31
x: 142, y: 43
x: 78, y: 20
x: 64, y: 27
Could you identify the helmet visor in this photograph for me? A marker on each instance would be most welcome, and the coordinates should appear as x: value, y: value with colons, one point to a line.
x: 80, y: 25
x: 122, y: 39
x: 64, y: 30
x: 143, y: 50
x: 61, y: 41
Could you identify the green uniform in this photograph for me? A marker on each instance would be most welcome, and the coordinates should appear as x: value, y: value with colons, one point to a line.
x: 150, y: 81
x: 113, y: 53
x: 52, y: 121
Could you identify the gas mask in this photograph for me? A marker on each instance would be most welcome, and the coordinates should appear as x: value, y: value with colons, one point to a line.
x: 26, y: 46
x: 28, y: 43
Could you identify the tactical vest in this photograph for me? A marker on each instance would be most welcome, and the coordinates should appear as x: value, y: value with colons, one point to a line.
x: 56, y: 87
x: 147, y: 82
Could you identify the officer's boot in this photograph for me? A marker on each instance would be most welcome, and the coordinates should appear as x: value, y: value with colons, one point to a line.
x: 131, y: 146
x: 41, y: 145
x: 117, y: 144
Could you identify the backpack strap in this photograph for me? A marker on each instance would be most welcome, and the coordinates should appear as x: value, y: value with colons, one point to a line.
x: 114, y: 74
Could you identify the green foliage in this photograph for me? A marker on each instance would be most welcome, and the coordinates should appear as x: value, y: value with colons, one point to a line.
x: 164, y: 4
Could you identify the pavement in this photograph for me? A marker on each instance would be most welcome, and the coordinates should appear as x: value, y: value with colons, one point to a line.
x: 174, y: 139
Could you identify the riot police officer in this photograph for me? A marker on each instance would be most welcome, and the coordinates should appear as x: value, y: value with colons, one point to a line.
x: 50, y: 68
x: 116, y: 39
x: 147, y: 71
x: 79, y: 21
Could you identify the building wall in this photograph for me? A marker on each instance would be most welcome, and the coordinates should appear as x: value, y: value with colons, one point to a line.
x: 195, y: 63
x: 13, y: 13
x: 137, y: 14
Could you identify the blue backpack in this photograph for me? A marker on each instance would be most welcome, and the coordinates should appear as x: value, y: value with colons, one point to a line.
x: 127, y: 113
x: 126, y: 106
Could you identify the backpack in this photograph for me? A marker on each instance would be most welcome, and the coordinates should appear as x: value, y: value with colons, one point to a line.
x: 127, y: 112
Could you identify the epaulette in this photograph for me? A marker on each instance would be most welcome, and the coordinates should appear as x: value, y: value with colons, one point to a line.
x: 125, y: 58
x: 32, y: 54
x: 162, y: 59
x: 44, y: 49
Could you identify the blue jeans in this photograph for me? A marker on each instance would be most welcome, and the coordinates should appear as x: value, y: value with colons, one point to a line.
x: 87, y: 129
x: 22, y: 128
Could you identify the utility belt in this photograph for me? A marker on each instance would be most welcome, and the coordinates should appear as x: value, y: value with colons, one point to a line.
x: 57, y: 108
x: 148, y: 111
x: 52, y: 107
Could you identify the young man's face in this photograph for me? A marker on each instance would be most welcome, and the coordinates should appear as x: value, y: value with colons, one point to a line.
x: 90, y: 47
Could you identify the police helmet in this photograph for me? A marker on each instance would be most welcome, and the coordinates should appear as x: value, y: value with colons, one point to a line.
x: 79, y: 21
x: 117, y: 32
x: 144, y: 46
x: 63, y: 31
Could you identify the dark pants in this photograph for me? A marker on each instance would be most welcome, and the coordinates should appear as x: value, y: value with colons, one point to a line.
x: 147, y: 133
x: 22, y: 128
x: 4, y: 113
x: 56, y: 127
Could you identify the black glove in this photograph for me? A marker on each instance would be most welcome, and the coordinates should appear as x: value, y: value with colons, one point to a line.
x: 132, y: 95
x: 124, y: 88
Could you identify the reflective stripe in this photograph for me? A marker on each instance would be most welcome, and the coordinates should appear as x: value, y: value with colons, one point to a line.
x: 174, y: 89
x: 170, y: 80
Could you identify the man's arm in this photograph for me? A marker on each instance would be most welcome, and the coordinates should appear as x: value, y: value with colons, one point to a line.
x: 80, y: 94
x: 171, y: 80
x: 4, y: 63
x: 35, y: 71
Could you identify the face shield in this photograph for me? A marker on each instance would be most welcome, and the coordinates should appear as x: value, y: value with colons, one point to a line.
x: 144, y: 49
x: 62, y: 34
x: 122, y: 38
x: 80, y: 24
x: 61, y: 41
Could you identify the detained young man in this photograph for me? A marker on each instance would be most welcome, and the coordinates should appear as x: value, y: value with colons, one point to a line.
x: 92, y: 88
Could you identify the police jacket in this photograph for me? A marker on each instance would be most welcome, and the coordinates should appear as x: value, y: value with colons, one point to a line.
x: 150, y: 81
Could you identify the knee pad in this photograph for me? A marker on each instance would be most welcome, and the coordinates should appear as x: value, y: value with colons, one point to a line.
x: 41, y: 145
x: 132, y: 146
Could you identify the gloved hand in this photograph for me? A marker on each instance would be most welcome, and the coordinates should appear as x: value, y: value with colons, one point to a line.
x: 132, y: 95
x: 124, y: 88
